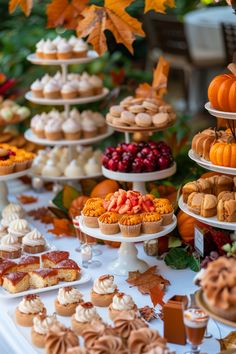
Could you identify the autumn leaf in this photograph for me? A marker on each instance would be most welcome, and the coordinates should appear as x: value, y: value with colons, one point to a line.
x: 118, y: 77
x: 113, y: 17
x: 25, y: 5
x: 65, y: 12
x: 156, y: 294
x: 228, y: 342
x: 148, y: 313
x: 41, y: 214
x: 158, y: 5
x: 27, y: 199
x: 62, y: 227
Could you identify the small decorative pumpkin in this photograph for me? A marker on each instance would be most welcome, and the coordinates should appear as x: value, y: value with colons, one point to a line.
x: 223, y: 154
x: 222, y: 91
x: 77, y: 205
x: 186, y: 225
x: 103, y: 188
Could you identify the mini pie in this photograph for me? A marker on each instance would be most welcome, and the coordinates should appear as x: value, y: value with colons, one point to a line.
x: 130, y: 225
x: 108, y: 223
x: 103, y: 290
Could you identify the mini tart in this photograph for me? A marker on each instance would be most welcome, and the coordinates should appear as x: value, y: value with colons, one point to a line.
x: 6, y: 167
x: 130, y: 225
x: 26, y: 319
x: 164, y: 207
x: 90, y: 216
x: 151, y: 222
x: 108, y: 223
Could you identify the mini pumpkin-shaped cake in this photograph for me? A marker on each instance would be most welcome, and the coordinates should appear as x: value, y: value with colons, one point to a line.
x: 223, y: 154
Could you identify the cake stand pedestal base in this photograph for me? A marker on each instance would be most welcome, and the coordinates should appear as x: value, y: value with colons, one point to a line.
x: 139, y: 187
x: 127, y: 260
x: 3, y: 195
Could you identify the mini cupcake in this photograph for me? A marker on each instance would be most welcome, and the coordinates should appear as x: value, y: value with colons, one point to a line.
x: 20, y: 163
x: 10, y: 247
x: 40, y: 329
x: 57, y: 40
x: 151, y: 222
x: 40, y: 49
x: 30, y: 306
x: 121, y: 303
x: 100, y: 123
x: 29, y: 158
x: 33, y: 242
x: 85, y: 89
x: 3, y: 231
x: 130, y: 225
x: 108, y: 223
x: 71, y: 129
x: 49, y: 50
x: 97, y: 84
x: 164, y: 207
x: 39, y: 129
x: 53, y: 129
x: 85, y: 313
x: 13, y: 208
x: 90, y: 216
x: 69, y: 90
x: 52, y: 90
x: 73, y: 170
x: 64, y: 50
x: 45, y: 79
x: 37, y: 88
x: 6, y: 167
x: 103, y: 291
x: 67, y: 300
x: 73, y: 40
x: 51, y: 169
x: 89, y: 128
x: 19, y: 228
x: 80, y: 49
x: 92, y: 167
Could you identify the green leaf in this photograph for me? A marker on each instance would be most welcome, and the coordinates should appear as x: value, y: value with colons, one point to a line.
x: 194, y: 263
x: 174, y: 242
x: 58, y: 201
x: 177, y: 258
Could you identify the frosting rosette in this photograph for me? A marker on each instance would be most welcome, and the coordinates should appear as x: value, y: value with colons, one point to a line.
x: 31, y: 304
x: 68, y: 295
x: 86, y: 312
x: 42, y: 323
x: 125, y: 323
x: 104, y: 285
x: 60, y: 339
x: 145, y: 340
x: 108, y: 345
x: 122, y: 302
x: 96, y: 330
x: 33, y: 238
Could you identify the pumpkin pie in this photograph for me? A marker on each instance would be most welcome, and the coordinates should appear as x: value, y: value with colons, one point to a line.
x: 130, y: 225
x: 108, y: 223
x: 151, y: 222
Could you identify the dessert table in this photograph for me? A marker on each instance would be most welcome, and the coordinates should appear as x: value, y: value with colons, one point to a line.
x: 181, y: 283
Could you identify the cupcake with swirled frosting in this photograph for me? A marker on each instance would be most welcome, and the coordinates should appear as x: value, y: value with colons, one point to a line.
x: 53, y: 129
x: 71, y: 129
x: 67, y: 300
x: 103, y: 290
x: 33, y: 242
x: 10, y: 247
x: 19, y: 228
x: 85, y: 313
x: 121, y: 303
x: 52, y: 90
x: 41, y: 326
x: 64, y: 50
x: 13, y: 208
x: 30, y: 306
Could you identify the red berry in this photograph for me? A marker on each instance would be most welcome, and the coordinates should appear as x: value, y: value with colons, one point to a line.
x: 150, y: 165
x: 164, y: 162
x: 137, y: 165
x: 113, y: 165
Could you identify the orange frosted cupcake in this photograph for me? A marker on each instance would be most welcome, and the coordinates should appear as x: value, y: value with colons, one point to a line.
x: 130, y: 225
x: 94, y: 202
x: 20, y: 163
x: 29, y: 156
x: 108, y: 223
x: 151, y: 222
x: 91, y: 215
x: 164, y: 207
x: 6, y: 167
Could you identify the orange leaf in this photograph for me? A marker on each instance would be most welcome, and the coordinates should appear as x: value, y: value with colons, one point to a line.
x: 27, y: 199
x: 25, y: 5
x: 160, y: 76
x: 62, y: 227
x: 156, y: 294
x: 65, y: 12
x: 158, y: 5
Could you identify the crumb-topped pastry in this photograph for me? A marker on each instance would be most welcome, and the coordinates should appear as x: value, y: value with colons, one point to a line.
x: 127, y: 322
x: 59, y: 340
x: 218, y: 283
x: 108, y: 223
x: 16, y: 282
x: 67, y: 300
x: 10, y: 247
x: 130, y: 225
x: 94, y: 331
x: 164, y: 207
x: 6, y: 266
x: 91, y: 214
x: 33, y: 242
x: 28, y: 263
x: 103, y: 290
x: 41, y: 278
x: 68, y: 270
x: 108, y: 344
x: 151, y: 222
x: 121, y: 302
x: 50, y: 259
x: 84, y: 314
x: 41, y: 326
x: 29, y: 306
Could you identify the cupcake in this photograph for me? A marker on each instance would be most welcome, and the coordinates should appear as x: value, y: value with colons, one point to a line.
x: 19, y: 228
x: 10, y: 247
x: 71, y: 129
x: 121, y: 303
x: 51, y: 170
x: 97, y: 84
x: 69, y: 90
x: 100, y: 123
x: 85, y: 313
x: 151, y: 222
x: 94, y: 202
x: 164, y: 207
x: 49, y: 50
x: 40, y: 329
x: 53, y: 129
x: 30, y: 306
x: 37, y: 89
x: 29, y: 158
x: 40, y: 49
x: 45, y: 79
x: 39, y: 129
x: 13, y: 208
x: 108, y: 223
x: 103, y: 290
x: 130, y: 225
x: 85, y: 89
x: 67, y: 300
x: 92, y: 167
x: 33, y: 242
x: 57, y: 40
x: 64, y: 50
x: 80, y: 49
x: 90, y: 216
x: 20, y: 163
x: 73, y: 40
x: 3, y: 231
x: 89, y: 128
x: 52, y: 90
x: 6, y: 167
x: 73, y: 170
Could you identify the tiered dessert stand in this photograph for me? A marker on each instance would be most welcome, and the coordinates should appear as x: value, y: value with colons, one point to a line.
x: 71, y: 144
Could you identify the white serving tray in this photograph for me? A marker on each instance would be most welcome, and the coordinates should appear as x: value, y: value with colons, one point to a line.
x: 34, y: 59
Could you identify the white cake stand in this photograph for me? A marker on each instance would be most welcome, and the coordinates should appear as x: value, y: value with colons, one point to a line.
x: 64, y: 178
x: 139, y: 179
x: 220, y: 114
x: 209, y: 166
x: 34, y: 59
x: 127, y: 260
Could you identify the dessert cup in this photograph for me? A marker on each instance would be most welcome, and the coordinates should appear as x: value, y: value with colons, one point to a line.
x: 115, y: 313
x: 101, y: 300
x: 131, y: 230
x: 65, y: 310
x: 90, y: 221
x: 167, y: 218
x: 78, y: 327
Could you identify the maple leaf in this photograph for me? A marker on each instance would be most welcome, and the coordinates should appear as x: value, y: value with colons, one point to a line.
x: 113, y: 17
x: 62, y: 227
x: 65, y: 12
x: 158, y: 5
x: 228, y: 342
x: 42, y: 214
x: 156, y: 294
x: 27, y: 199
x: 25, y: 5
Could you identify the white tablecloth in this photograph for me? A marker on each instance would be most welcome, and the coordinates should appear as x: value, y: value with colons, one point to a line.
x: 203, y: 29
x: 181, y: 283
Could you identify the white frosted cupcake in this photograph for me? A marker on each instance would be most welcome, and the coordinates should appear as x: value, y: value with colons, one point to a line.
x: 38, y: 165
x: 40, y: 49
x: 89, y: 128
x: 37, y: 88
x: 100, y: 122
x: 74, y: 170
x: 85, y: 89
x: 73, y: 40
x: 85, y: 313
x: 19, y: 228
x: 3, y: 231
x: 7, y: 219
x: 13, y: 208
x: 97, y: 84
x: 52, y: 90
x: 45, y: 79
x: 51, y: 170
x: 80, y: 49
x: 64, y: 50
x: 49, y: 50
x: 71, y: 129
x: 92, y: 167
x: 10, y: 247
x: 39, y: 129
x: 33, y: 242
x: 53, y: 129
x: 57, y: 40
x: 69, y: 90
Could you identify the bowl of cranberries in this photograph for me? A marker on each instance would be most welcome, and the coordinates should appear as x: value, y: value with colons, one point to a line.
x: 138, y: 157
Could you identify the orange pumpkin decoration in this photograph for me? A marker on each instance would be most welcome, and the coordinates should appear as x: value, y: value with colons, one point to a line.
x: 77, y: 205
x: 186, y: 225
x: 223, y: 154
x: 210, y: 174
x: 103, y: 188
x: 222, y: 91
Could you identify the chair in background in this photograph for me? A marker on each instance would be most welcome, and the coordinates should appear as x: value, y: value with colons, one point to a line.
x: 229, y: 38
